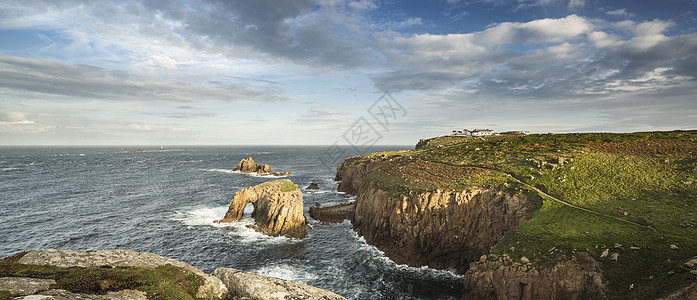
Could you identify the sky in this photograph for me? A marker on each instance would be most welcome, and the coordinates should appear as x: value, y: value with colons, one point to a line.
x: 323, y: 72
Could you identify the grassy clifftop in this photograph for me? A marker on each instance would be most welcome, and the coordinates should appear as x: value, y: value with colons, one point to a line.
x: 634, y: 194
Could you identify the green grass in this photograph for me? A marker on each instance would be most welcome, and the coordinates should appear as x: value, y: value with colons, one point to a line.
x: 164, y: 282
x: 638, y: 177
x: 285, y: 185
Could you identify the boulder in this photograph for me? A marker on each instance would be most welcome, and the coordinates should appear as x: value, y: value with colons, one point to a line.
x: 312, y: 186
x: 249, y: 166
x: 246, y: 285
x: 278, y: 208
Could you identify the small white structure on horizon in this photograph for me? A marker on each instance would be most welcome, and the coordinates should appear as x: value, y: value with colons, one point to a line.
x: 462, y: 132
x: 482, y: 132
x: 475, y: 132
x: 515, y: 132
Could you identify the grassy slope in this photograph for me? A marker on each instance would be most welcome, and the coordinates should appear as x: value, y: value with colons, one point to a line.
x: 164, y: 282
x: 646, y: 178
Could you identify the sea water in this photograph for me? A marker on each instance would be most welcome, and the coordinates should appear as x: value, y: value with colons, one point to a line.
x: 165, y: 202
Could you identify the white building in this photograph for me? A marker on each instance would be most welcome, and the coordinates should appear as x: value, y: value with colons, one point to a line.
x: 465, y: 132
x: 482, y: 132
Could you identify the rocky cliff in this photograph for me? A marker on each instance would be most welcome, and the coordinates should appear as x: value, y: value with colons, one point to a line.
x: 249, y: 166
x: 624, y: 199
x: 440, y: 229
x: 579, y: 278
x: 278, y: 208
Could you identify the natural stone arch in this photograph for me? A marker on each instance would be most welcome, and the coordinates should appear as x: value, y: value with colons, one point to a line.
x: 278, y: 208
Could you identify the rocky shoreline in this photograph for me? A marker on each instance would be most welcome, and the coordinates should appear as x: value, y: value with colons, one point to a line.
x: 40, y: 274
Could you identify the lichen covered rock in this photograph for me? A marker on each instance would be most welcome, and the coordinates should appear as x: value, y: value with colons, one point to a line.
x: 247, y: 285
x: 211, y: 287
x: 278, y: 208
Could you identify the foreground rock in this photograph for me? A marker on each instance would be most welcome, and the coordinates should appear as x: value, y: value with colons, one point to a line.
x: 246, y: 285
x: 278, y: 208
x: 249, y: 166
x: 579, y: 278
x: 212, y: 287
x: 224, y: 283
x: 333, y: 214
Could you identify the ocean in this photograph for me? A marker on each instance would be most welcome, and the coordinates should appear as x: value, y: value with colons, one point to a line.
x: 165, y: 202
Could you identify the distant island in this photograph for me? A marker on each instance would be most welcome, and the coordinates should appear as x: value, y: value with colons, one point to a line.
x: 540, y: 216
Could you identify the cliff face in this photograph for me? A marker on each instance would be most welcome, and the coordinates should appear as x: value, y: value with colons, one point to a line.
x: 443, y: 230
x: 579, y: 278
x: 278, y: 208
x: 439, y: 229
x: 350, y: 176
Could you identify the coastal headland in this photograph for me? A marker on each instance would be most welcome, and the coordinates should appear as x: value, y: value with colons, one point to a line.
x: 565, y: 216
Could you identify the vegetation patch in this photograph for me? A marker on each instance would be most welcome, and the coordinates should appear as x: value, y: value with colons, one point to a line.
x: 164, y: 282
x: 285, y: 185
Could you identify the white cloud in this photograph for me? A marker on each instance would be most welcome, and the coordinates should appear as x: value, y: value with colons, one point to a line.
x: 363, y: 5
x: 556, y: 30
x: 575, y: 5
x: 622, y: 12
x: 601, y: 39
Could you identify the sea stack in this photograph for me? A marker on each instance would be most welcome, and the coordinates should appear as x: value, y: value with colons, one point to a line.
x: 278, y: 208
x: 249, y: 166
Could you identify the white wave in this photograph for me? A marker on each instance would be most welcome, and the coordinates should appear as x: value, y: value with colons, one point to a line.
x: 317, y: 192
x: 263, y: 175
x: 219, y: 170
x: 287, y: 272
x: 193, y: 161
x: 201, y: 216
x: 405, y: 268
x: 10, y: 169
x: 204, y: 216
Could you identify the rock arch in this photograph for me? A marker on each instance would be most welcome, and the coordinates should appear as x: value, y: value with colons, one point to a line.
x: 278, y: 208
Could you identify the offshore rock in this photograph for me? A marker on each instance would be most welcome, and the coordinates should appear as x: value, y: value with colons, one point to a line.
x: 312, y: 186
x: 278, y: 208
x: 579, y: 278
x: 212, y: 288
x: 333, y: 214
x: 249, y: 166
x: 246, y: 285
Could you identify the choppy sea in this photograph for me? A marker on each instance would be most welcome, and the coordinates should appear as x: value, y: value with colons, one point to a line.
x: 165, y: 202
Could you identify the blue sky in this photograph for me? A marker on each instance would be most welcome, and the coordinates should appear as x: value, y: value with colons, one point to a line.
x: 304, y: 72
